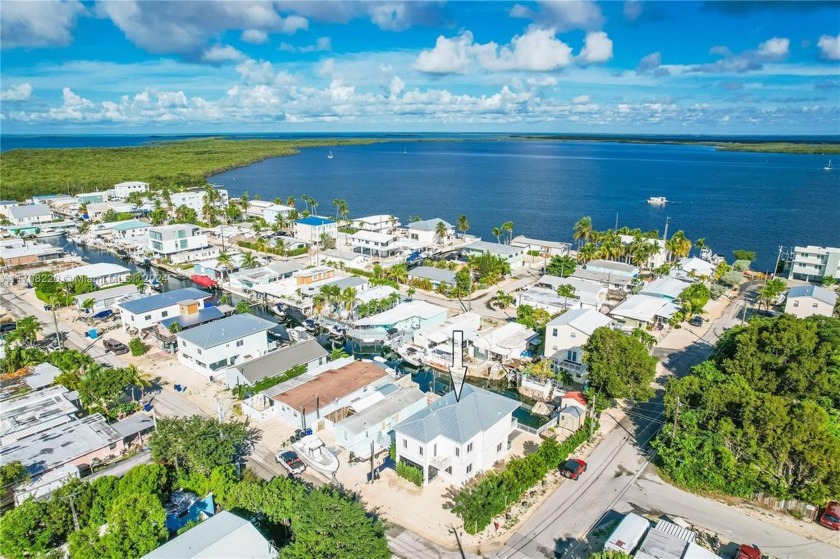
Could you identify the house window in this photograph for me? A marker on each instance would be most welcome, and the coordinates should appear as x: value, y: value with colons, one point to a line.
x: 183, y: 244
x: 434, y: 450
x: 499, y: 447
x: 448, y: 470
x: 200, y: 364
x: 469, y: 468
x: 405, y: 443
x: 796, y: 303
x: 421, y: 451
x: 814, y: 305
x: 164, y: 314
x: 240, y: 343
x: 554, y: 332
x: 457, y: 451
x: 147, y: 317
x: 199, y: 352
x: 573, y: 335
x: 469, y: 448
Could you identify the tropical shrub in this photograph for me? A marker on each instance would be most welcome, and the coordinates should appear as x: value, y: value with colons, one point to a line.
x: 411, y: 473
x: 137, y: 347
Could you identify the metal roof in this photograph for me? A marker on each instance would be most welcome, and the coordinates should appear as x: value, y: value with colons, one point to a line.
x: 458, y: 421
x: 128, y: 225
x: 612, y: 265
x: 31, y: 210
x: 390, y: 405
x: 42, y: 375
x: 584, y: 320
x: 225, y: 330
x: 401, y: 312
x: 601, y: 277
x: 105, y: 294
x: 223, y: 535
x: 92, y: 271
x: 133, y: 424
x: 665, y: 286
x: 278, y: 362
x: 204, y: 315
x: 494, y: 248
x: 819, y: 293
x: 163, y: 300
x: 428, y: 225
x: 645, y: 308
x: 433, y: 274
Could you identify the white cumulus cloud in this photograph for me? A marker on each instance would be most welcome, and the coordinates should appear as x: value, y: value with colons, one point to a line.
x: 449, y: 56
x: 536, y: 50
x: 38, y: 24
x: 254, y: 36
x: 829, y: 47
x: 563, y: 15
x: 598, y: 47
x: 223, y: 53
x: 775, y: 48
x: 20, y: 92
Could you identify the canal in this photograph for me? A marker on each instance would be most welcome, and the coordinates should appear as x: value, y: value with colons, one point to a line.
x: 426, y: 379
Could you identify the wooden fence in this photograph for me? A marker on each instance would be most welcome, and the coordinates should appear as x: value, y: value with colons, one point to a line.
x: 794, y: 506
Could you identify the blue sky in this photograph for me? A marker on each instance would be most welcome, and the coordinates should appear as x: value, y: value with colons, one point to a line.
x: 678, y: 67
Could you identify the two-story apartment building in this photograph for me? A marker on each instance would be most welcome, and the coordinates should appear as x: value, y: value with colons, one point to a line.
x: 211, y: 348
x: 457, y: 439
x: 194, y: 199
x: 311, y: 228
x: 425, y: 232
x: 181, y: 243
x: 148, y: 311
x: 379, y: 245
x: 123, y: 189
x: 565, y: 337
x: 382, y: 223
x: 812, y: 263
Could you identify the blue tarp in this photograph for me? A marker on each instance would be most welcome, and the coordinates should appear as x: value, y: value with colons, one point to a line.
x: 178, y: 519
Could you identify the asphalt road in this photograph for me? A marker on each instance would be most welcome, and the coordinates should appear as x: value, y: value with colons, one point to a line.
x: 620, y: 480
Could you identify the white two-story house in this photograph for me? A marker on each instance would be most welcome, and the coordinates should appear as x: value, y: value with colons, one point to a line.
x: 425, y: 232
x: 123, y: 189
x: 181, y: 243
x: 211, y: 348
x: 379, y: 245
x: 382, y: 223
x: 148, y: 311
x: 194, y: 199
x: 310, y: 229
x: 457, y: 440
x: 565, y: 337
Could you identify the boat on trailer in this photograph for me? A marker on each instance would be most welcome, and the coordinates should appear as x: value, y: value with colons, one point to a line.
x: 314, y: 452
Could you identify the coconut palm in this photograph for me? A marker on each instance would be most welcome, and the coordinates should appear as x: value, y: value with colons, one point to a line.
x: 26, y: 331
x: 587, y: 252
x: 348, y: 297
x: 398, y: 273
x: 410, y: 292
x: 566, y: 291
x: 678, y: 245
x: 136, y: 377
x: 260, y: 244
x: 463, y: 224
x: 290, y: 201
x: 440, y: 231
x: 280, y: 246
x: 497, y: 232
x: 249, y: 260
x: 508, y: 227
x: 176, y: 327
x: 318, y: 301
x: 582, y: 231
x: 224, y: 260
x: 243, y: 201
x: 87, y: 305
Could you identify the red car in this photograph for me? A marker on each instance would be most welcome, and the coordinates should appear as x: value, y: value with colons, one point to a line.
x: 831, y: 516
x: 748, y: 552
x: 572, y: 468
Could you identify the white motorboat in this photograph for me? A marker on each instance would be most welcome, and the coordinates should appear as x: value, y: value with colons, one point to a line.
x: 411, y: 354
x: 314, y: 453
x: 49, y: 233
x: 657, y: 200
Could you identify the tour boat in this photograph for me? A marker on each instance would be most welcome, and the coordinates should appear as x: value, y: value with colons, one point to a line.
x: 657, y: 200
x: 312, y: 450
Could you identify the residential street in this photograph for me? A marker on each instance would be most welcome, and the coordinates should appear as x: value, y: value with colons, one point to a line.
x: 620, y: 480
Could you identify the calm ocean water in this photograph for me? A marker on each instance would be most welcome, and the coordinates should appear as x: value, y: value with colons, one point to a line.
x: 734, y: 200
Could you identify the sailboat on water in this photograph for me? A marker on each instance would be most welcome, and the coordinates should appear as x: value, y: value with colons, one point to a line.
x: 827, y: 167
x: 330, y: 155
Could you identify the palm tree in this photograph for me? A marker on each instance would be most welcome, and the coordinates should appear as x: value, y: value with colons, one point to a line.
x: 508, y: 226
x: 582, y: 231
x: 587, y: 252
x: 176, y: 327
x: 87, y: 305
x: 233, y: 213
x: 225, y: 261
x: 566, y: 291
x: 678, y: 245
x: 318, y: 301
x: 243, y: 201
x: 463, y: 224
x: 136, y: 377
x: 348, y: 296
x: 700, y: 243
x: 410, y: 292
x: 398, y: 273
x: 440, y: 231
x: 249, y: 260
x: 26, y: 331
x: 290, y: 201
x: 497, y: 232
x: 280, y: 246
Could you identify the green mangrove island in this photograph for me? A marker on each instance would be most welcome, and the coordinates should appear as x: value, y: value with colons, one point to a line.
x: 28, y: 172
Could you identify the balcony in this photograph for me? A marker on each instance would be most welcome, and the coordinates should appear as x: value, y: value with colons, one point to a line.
x: 441, y: 462
x: 578, y: 369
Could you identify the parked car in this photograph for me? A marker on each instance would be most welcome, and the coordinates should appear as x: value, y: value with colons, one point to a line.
x: 289, y: 459
x: 830, y: 517
x: 115, y: 346
x: 696, y: 320
x: 7, y: 327
x: 572, y: 468
x: 748, y: 552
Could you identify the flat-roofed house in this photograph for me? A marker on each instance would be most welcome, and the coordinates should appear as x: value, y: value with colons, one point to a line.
x: 210, y: 348
x: 311, y: 228
x: 123, y: 189
x: 181, y: 243
x: 382, y: 223
x: 148, y: 311
x: 101, y: 273
x: 665, y: 287
x: 379, y: 245
x: 611, y: 267
x: 546, y: 249
x: 508, y: 341
x: 368, y: 334
x: 513, y: 255
x: 457, y: 439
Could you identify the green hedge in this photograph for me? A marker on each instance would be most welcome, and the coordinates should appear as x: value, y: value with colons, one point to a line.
x: 481, y: 501
x: 411, y: 473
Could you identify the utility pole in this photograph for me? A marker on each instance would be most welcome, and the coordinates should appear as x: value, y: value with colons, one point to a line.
x: 73, y: 511
x: 371, y: 460
x: 676, y: 416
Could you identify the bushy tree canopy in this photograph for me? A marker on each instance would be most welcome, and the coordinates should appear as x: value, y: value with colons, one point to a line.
x: 619, y: 365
